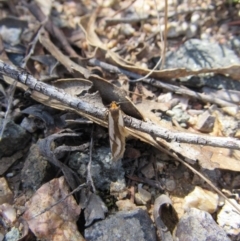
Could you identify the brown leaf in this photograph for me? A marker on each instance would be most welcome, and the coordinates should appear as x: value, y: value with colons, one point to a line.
x: 59, y: 222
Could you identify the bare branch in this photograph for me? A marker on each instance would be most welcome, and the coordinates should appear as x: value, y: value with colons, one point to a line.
x: 159, y: 84
x: 132, y: 123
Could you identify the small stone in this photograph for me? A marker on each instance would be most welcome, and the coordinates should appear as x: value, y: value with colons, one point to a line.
x: 126, y: 225
x: 179, y: 115
x: 202, y: 199
x: 205, y: 122
x: 223, y: 29
x: 235, y: 43
x: 174, y: 30
x: 142, y: 197
x: 191, y: 31
x: 229, y: 125
x: 14, y: 136
x: 12, y: 235
x: 118, y: 189
x: 6, y: 195
x: 231, y: 110
x: 195, y: 18
x: 8, y: 213
x: 236, y: 182
x: 160, y: 166
x: 228, y: 219
x: 127, y: 29
x: 148, y: 171
x: 35, y: 169
x: 170, y: 185
x: 10, y: 35
x: 184, y: 27
x: 199, y: 225
x: 29, y: 124
x: 125, y: 205
x: 205, y: 36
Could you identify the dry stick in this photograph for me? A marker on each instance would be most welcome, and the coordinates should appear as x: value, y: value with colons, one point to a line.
x: 89, y: 109
x: 159, y: 84
x: 51, y: 28
x: 33, y: 45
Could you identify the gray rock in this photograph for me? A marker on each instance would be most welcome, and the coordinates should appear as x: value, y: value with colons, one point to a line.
x: 217, y: 82
x: 197, y: 54
x: 235, y: 43
x: 199, y: 225
x: 14, y: 138
x: 35, y: 169
x: 228, y: 219
x: 103, y: 170
x: 205, y: 122
x: 180, y: 115
x: 126, y: 225
x: 12, y: 235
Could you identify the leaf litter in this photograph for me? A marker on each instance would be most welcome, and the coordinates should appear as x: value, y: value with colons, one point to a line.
x: 127, y: 47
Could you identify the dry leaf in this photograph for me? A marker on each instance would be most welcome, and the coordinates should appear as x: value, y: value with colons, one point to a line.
x: 57, y: 223
x: 116, y: 131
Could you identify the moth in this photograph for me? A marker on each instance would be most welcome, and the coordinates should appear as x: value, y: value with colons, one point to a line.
x: 116, y: 131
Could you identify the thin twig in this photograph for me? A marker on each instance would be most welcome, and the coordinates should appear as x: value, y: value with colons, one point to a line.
x: 100, y: 113
x: 59, y: 201
x: 157, y: 83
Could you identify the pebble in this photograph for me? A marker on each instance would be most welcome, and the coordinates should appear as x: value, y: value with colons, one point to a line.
x: 205, y: 122
x: 202, y: 199
x: 125, y: 225
x: 228, y: 219
x: 6, y: 195
x: 195, y: 18
x: 199, y: 225
x: 191, y: 31
x: 12, y: 235
x: 127, y: 29
x: 148, y: 171
x: 35, y: 169
x: 142, y: 197
x: 125, y: 205
x: 14, y: 136
x: 179, y: 115
x: 170, y: 185
x: 118, y: 189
